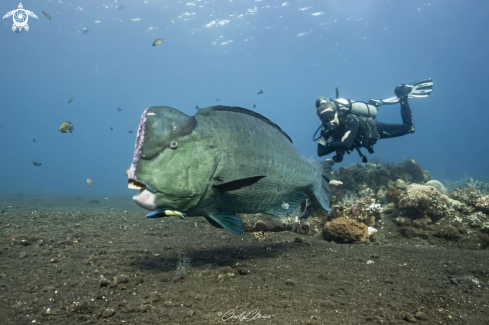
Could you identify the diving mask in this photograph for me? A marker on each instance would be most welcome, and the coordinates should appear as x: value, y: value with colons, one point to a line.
x: 330, y: 119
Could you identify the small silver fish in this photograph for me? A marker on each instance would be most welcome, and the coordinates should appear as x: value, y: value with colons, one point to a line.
x: 86, y: 31
x: 197, y: 107
x: 119, y: 109
x: 285, y: 206
x: 34, y: 140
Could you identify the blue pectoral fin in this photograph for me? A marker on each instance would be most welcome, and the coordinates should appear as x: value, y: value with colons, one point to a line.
x: 229, y: 221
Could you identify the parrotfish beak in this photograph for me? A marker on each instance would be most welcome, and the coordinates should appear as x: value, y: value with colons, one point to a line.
x: 144, y: 198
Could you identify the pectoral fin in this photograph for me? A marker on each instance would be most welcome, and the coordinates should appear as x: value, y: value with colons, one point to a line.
x: 236, y: 184
x: 229, y: 221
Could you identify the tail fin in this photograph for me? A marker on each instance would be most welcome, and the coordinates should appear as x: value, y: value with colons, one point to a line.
x: 323, y: 192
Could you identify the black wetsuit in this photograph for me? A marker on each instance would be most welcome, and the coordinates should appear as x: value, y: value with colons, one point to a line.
x: 352, y: 129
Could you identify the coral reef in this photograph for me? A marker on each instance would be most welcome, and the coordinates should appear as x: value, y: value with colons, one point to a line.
x: 439, y: 186
x: 468, y: 182
x: 425, y: 201
x: 377, y: 176
x: 384, y: 203
x: 483, y: 204
x: 364, y: 210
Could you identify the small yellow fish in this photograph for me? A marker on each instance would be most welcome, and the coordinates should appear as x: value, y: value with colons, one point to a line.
x: 129, y: 131
x: 127, y: 171
x: 70, y: 100
x: 46, y: 15
x: 106, y: 198
x: 66, y: 127
x: 458, y: 189
x: 89, y: 182
x: 158, y: 41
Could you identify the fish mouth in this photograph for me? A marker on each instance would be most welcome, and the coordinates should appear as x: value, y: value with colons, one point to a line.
x: 135, y: 185
x: 144, y: 198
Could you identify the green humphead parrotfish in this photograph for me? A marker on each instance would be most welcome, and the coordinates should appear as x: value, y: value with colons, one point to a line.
x: 219, y: 162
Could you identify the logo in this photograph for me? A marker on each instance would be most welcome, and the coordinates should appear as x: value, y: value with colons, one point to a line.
x: 20, y: 17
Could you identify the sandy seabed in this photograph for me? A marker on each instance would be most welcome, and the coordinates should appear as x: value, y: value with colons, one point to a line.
x: 66, y: 261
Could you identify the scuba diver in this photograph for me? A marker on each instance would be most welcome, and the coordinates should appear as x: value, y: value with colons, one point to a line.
x: 348, y: 125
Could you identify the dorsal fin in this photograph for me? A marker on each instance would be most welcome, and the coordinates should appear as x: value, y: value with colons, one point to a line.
x: 241, y: 110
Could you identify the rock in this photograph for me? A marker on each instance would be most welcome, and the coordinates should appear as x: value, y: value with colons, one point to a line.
x: 371, y: 231
x: 108, y: 313
x: 421, y: 316
x: 465, y: 280
x: 425, y: 201
x: 400, y: 184
x: 155, y: 297
x: 343, y: 230
x: 483, y: 204
x: 290, y: 282
x: 408, y: 317
x: 121, y: 279
x: 485, y: 227
x: 389, y: 208
x: 439, y: 186
x: 242, y: 270
x: 100, y: 295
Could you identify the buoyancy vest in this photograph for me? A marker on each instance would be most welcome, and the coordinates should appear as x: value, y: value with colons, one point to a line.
x: 366, y: 114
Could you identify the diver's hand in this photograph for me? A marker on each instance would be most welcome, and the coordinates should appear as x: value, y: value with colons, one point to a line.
x: 322, y: 142
x: 339, y: 156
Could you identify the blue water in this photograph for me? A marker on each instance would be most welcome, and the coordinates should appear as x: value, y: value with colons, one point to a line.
x: 297, y: 51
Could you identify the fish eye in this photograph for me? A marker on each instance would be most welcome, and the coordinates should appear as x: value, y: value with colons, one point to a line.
x: 174, y: 144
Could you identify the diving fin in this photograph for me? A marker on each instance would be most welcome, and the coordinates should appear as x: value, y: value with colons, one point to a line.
x: 421, y: 88
x: 418, y: 89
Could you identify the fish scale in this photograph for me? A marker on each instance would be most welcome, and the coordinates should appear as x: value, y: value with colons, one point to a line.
x: 250, y: 154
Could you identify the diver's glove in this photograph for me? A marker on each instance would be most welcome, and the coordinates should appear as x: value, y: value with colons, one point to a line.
x: 329, y: 148
x: 339, y: 156
x: 322, y: 142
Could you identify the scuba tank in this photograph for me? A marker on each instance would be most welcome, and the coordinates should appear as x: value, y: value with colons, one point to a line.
x: 357, y: 108
x: 366, y: 113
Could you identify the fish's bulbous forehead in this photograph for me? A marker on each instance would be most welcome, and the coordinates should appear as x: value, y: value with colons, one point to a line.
x: 159, y: 126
